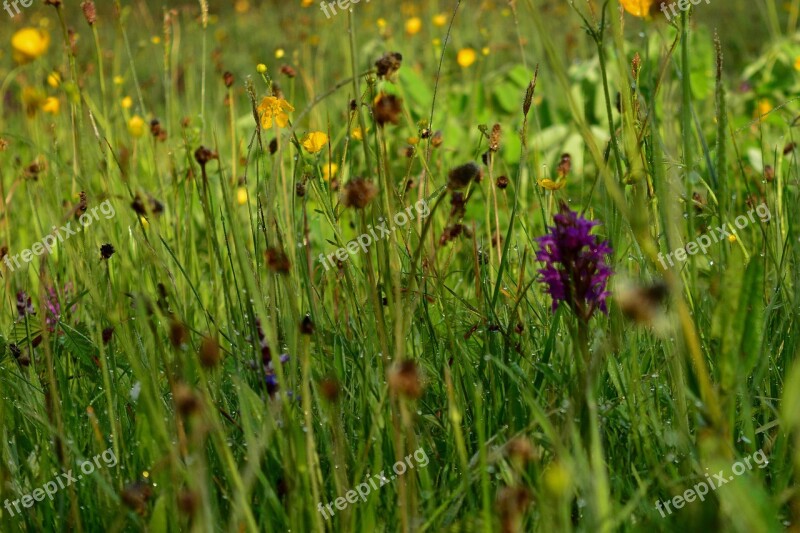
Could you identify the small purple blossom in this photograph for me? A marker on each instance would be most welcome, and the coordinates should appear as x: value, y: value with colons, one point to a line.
x: 24, y: 305
x: 575, y: 268
x: 53, y: 306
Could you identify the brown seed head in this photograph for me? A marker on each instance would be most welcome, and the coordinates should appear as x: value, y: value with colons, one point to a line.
x: 502, y: 182
x: 404, y: 379
x: 209, y: 352
x: 329, y: 387
x: 494, y: 138
x: 89, y: 12
x: 178, y: 334
x: 228, y: 78
x: 769, y: 173
x: 288, y: 71
x: 307, y: 326
x: 186, y: 401
x: 388, y: 64
x: 135, y: 496
x: 277, y: 261
x: 461, y: 176
x: 106, y: 251
x: 387, y: 108
x: 358, y: 193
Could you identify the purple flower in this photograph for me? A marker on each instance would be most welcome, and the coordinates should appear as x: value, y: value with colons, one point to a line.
x: 575, y: 268
x: 53, y: 306
x: 24, y: 305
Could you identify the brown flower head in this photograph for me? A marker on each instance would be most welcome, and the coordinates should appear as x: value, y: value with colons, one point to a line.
x: 388, y: 64
x: 106, y: 251
x: 404, y: 379
x: 209, y: 352
x: 358, y: 193
x: 387, y: 108
x: 135, y: 496
x: 277, y: 261
x: 461, y: 176
x: 89, y: 12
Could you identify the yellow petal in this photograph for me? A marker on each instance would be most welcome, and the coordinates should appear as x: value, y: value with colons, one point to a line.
x: 315, y: 141
x: 637, y: 8
x: 551, y: 185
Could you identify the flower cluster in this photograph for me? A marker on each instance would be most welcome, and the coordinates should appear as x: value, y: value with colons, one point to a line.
x: 575, y: 268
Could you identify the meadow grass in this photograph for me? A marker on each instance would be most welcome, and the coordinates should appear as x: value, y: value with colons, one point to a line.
x: 243, y: 384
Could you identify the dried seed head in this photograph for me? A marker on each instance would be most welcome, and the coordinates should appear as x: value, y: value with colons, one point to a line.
x: 521, y: 451
x: 404, y: 379
x: 502, y: 182
x: 106, y: 251
x: 636, y: 66
x: 300, y: 189
x: 203, y: 155
x: 188, y: 502
x: 307, y: 326
x: 769, y: 173
x: 186, y: 401
x: 108, y: 333
x: 273, y: 146
x: 135, y: 496
x: 643, y: 304
x: 227, y: 77
x: 178, y: 334
x: 437, y: 139
x: 277, y: 261
x: 329, y: 387
x: 288, y: 71
x: 494, y: 138
x: 89, y: 12
x: 388, y: 64
x: 511, y: 505
x: 209, y: 352
x: 358, y: 193
x: 565, y: 165
x: 461, y: 176
x: 387, y: 108
x: 789, y: 148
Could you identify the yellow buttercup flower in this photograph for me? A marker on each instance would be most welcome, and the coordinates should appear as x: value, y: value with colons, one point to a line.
x: 440, y: 20
x: 118, y: 80
x: 315, y: 141
x: 242, y: 6
x: 637, y: 8
x: 29, y: 44
x: 54, y: 80
x: 306, y: 3
x: 466, y: 57
x: 136, y: 126
x: 329, y: 171
x: 551, y: 185
x: 358, y: 134
x: 261, y: 68
x: 413, y: 25
x: 127, y: 102
x: 381, y: 23
x: 797, y: 63
x: 276, y: 109
x: 279, y: 53
x: 241, y: 195
x: 51, y: 105
x: 732, y: 238
x: 764, y: 107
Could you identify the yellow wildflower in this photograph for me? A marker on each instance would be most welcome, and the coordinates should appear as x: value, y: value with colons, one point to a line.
x: 54, y: 79
x: 155, y: 39
x: 329, y: 171
x: 381, y: 23
x: 466, y: 57
x: 358, y: 134
x: 764, y: 107
x: 306, y: 3
x: 127, y: 102
x: 797, y: 63
x: 732, y: 237
x: 242, y: 6
x: 279, y: 53
x: 315, y: 141
x: 551, y: 185
x: 413, y: 25
x: 118, y: 80
x: 261, y: 68
x: 51, y: 105
x: 29, y: 44
x: 136, y: 126
x: 276, y: 109
x: 637, y: 8
x: 440, y: 20
x: 241, y: 195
